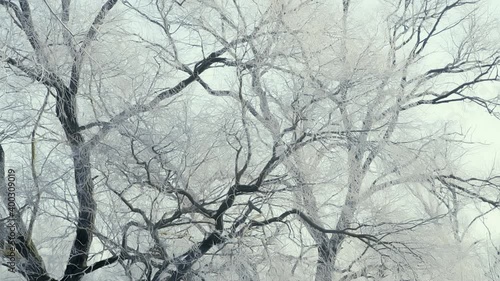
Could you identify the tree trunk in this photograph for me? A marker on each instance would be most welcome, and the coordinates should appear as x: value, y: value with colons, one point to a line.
x: 324, y: 266
x: 86, y: 215
x: 66, y: 113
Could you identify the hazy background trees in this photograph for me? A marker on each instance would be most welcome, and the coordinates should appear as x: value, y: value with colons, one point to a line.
x: 236, y: 140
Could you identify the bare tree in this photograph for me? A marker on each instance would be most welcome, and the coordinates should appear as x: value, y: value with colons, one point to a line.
x: 196, y: 137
